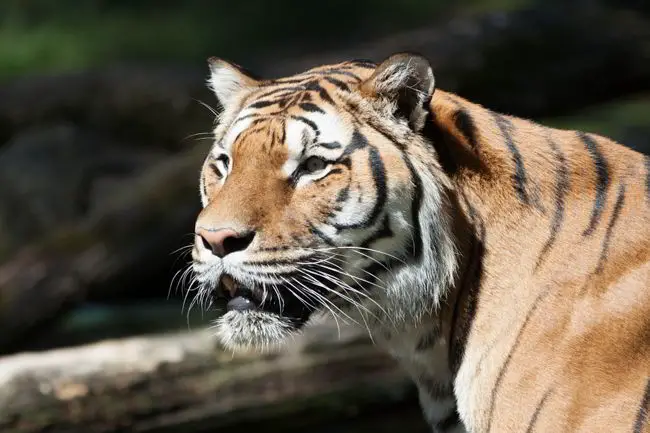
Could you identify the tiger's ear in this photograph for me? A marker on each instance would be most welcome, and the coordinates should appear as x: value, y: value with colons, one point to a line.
x: 406, y: 80
x: 228, y: 80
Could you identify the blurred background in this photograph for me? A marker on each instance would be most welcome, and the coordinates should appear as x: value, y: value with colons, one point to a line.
x: 103, y: 110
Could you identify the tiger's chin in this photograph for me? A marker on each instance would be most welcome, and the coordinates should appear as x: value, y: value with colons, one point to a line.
x: 259, y: 322
x: 254, y: 330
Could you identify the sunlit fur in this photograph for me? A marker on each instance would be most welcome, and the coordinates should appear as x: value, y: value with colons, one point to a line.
x: 396, y: 299
x: 504, y: 264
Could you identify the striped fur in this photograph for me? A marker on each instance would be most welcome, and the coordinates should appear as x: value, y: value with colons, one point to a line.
x: 504, y: 264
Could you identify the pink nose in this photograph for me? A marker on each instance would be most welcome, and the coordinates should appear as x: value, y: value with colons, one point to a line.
x: 224, y: 241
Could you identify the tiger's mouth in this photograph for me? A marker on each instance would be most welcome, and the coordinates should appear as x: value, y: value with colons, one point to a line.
x: 280, y: 302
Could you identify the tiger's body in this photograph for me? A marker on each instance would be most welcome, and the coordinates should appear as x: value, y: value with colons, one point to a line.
x: 504, y: 264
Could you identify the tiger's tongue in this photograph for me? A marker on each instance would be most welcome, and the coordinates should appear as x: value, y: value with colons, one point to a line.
x: 241, y: 296
x: 240, y: 303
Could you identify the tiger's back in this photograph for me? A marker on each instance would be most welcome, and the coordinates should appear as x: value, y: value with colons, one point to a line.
x: 512, y: 259
x: 566, y: 225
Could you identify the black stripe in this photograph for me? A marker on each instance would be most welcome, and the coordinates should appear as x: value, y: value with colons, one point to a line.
x: 381, y: 191
x: 331, y: 145
x: 340, y: 72
x: 416, y: 203
x: 345, y: 161
x: 466, y: 126
x: 309, y: 123
x: 245, y: 71
x: 286, y: 90
x: 602, y: 180
x: 311, y: 107
x: 647, y: 176
x: 248, y: 116
x: 312, y: 85
x: 379, y: 176
x: 215, y: 170
x: 338, y: 83
x: 470, y: 285
x: 343, y: 194
x: 452, y: 420
x: 538, y: 409
x: 358, y: 141
x: 322, y: 236
x: 620, y: 200
x: 562, y: 185
x: 315, y: 86
x: 384, y: 232
x: 273, y: 249
x: 519, y: 176
x: 326, y: 96
x: 262, y: 104
x: 506, y: 364
x: 644, y: 406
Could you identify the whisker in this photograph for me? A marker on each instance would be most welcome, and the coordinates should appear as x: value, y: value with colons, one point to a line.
x: 326, y: 303
x: 358, y: 249
x: 208, y: 106
x: 347, y: 288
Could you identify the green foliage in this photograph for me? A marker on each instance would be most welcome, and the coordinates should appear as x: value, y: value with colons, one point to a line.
x: 617, y: 119
x: 43, y: 35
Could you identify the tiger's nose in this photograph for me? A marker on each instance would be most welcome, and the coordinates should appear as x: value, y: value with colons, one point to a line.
x: 224, y: 241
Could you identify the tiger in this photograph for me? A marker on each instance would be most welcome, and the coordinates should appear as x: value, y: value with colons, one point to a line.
x: 504, y: 265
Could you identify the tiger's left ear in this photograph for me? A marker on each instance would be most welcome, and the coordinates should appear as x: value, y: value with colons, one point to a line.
x: 406, y: 80
x: 228, y: 81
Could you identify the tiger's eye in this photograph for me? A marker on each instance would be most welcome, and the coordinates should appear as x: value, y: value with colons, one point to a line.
x: 314, y: 163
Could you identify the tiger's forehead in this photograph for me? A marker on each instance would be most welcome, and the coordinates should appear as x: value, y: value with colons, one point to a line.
x: 298, y: 109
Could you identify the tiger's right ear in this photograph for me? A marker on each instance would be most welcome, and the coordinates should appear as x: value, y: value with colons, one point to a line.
x: 228, y: 80
x: 406, y: 81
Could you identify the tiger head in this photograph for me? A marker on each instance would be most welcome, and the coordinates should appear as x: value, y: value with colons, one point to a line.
x: 321, y: 194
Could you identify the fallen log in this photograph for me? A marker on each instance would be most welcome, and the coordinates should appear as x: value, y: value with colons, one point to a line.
x: 129, y: 243
x: 185, y: 382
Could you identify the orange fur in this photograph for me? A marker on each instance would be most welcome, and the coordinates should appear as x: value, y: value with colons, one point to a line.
x: 548, y: 321
x: 571, y: 330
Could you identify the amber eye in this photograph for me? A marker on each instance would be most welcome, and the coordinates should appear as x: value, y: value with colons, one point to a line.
x: 314, y: 164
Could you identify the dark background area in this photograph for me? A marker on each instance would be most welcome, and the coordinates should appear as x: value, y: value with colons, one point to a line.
x: 105, y: 119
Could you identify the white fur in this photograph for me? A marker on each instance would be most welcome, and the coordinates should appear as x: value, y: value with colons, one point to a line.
x: 239, y: 330
x: 238, y: 127
x: 227, y: 82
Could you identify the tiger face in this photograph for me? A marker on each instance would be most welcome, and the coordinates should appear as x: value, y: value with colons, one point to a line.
x: 317, y: 198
